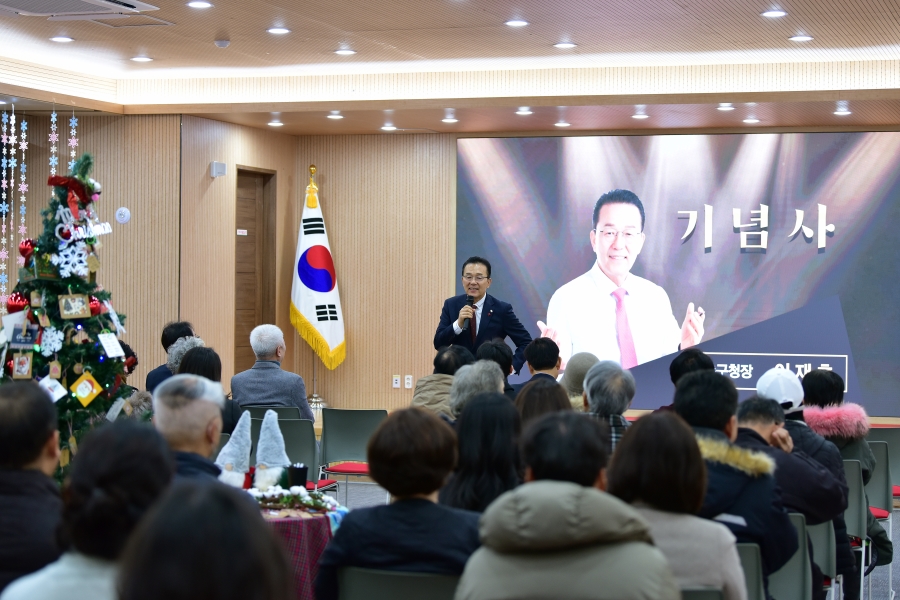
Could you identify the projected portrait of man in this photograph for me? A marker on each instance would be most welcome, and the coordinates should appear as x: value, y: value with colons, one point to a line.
x: 610, y: 312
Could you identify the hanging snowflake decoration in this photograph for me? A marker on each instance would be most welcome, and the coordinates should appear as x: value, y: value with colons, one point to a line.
x: 51, y: 341
x: 72, y: 260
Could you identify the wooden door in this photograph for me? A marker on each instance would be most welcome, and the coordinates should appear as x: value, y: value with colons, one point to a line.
x: 248, y: 265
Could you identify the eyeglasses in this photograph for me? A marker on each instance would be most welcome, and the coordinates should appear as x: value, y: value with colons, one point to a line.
x: 475, y: 278
x: 609, y: 235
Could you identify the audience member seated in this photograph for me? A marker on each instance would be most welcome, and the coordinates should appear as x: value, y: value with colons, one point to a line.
x: 265, y: 383
x: 188, y: 413
x: 741, y: 491
x: 120, y: 471
x: 411, y: 454
x: 498, y: 351
x: 542, y: 356
x: 205, y: 362
x: 177, y: 351
x: 807, y: 487
x: 846, y: 426
x: 539, y: 397
x: 29, y: 498
x: 608, y: 391
x: 433, y: 391
x: 242, y: 559
x: 171, y: 333
x: 783, y: 386
x: 573, y: 378
x: 480, y: 376
x: 488, y: 438
x: 559, y: 535
x: 659, y: 470
x: 688, y: 361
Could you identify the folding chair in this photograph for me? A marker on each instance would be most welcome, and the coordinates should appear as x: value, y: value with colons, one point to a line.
x: 702, y: 593
x: 355, y: 583
x: 794, y: 579
x: 825, y: 553
x: 283, y: 412
x: 855, y: 515
x: 751, y: 562
x: 881, y: 498
x: 345, y: 435
x: 891, y: 435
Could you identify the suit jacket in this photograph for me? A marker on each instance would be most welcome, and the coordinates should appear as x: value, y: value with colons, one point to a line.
x: 266, y: 384
x: 156, y: 377
x: 497, y: 321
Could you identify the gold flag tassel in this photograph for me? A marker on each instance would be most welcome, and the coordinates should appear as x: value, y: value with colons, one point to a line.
x: 312, y: 190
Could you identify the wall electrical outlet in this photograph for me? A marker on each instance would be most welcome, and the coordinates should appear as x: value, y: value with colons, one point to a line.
x: 407, y: 382
x: 396, y: 381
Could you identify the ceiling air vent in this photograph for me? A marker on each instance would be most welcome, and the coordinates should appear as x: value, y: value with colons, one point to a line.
x: 90, y: 9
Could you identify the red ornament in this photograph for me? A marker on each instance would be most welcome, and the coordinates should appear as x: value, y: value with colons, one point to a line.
x: 65, y: 233
x: 26, y: 249
x: 9, y: 367
x: 95, y: 306
x: 16, y: 302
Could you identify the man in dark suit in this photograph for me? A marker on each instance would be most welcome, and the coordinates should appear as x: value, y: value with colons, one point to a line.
x: 543, y: 359
x: 171, y: 333
x: 489, y: 318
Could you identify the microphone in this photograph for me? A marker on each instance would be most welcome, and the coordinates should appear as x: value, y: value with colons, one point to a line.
x: 470, y: 301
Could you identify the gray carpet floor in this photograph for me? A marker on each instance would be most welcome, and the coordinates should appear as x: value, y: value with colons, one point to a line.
x: 369, y: 494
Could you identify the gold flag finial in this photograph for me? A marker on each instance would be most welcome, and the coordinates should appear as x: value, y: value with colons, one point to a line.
x: 312, y: 190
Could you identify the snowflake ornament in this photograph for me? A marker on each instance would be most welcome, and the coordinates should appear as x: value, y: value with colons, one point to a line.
x: 51, y: 341
x: 72, y: 260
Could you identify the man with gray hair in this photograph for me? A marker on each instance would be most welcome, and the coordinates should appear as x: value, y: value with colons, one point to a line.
x: 187, y: 412
x: 608, y: 391
x: 265, y: 383
x: 481, y: 376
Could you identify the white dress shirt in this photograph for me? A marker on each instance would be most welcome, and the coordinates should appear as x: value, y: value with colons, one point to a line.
x: 478, y: 306
x: 583, y: 312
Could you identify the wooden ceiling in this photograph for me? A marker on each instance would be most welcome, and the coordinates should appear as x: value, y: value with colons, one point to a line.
x: 456, y: 34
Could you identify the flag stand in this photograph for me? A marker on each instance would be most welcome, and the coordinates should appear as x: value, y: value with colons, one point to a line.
x: 316, y: 402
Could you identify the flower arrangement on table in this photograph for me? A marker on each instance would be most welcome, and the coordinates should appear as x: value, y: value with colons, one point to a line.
x: 296, y: 497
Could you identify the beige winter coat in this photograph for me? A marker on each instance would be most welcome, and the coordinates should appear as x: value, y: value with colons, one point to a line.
x: 561, y: 541
x: 433, y: 394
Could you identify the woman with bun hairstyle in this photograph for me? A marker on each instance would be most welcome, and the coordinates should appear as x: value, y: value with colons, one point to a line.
x: 119, y: 472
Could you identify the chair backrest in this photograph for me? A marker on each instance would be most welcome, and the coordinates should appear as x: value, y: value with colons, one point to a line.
x: 355, y: 583
x: 824, y: 547
x: 751, y: 562
x: 223, y: 439
x: 891, y: 435
x: 702, y: 593
x: 299, y: 442
x: 255, y: 427
x: 857, y: 509
x: 879, y: 489
x: 346, y: 433
x: 794, y: 579
x: 283, y: 412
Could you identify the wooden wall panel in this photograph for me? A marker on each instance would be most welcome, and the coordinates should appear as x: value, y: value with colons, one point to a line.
x: 208, y: 226
x: 137, y: 162
x: 390, y: 209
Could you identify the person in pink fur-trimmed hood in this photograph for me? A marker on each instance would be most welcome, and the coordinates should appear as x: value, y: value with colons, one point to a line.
x: 845, y: 425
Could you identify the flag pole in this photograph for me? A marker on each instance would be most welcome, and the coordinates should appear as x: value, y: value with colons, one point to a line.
x: 316, y: 402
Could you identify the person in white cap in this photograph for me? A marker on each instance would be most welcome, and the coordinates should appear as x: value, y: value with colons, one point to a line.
x: 784, y: 387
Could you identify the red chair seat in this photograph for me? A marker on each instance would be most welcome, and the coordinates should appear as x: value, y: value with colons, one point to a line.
x: 879, y: 513
x: 826, y: 583
x: 855, y: 542
x: 323, y: 483
x: 349, y: 468
x: 896, y: 491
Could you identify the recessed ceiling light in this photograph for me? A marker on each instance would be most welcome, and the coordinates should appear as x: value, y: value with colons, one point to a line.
x: 275, y: 123
x: 524, y: 110
x: 842, y: 109
x: 517, y: 23
x: 335, y: 114
x: 345, y: 52
x: 751, y: 120
x: 142, y: 59
x: 2, y: 101
x: 450, y: 116
x: 640, y: 116
x: 389, y: 128
x: 199, y: 4
x: 564, y: 45
x: 801, y: 38
x: 725, y: 106
x: 562, y: 124
x: 450, y: 120
x: 62, y: 39
x: 278, y: 30
x: 774, y: 13
x: 640, y: 112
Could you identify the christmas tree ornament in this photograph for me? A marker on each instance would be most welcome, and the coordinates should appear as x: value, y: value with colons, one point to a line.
x: 16, y: 302
x: 55, y: 370
x: 86, y: 388
x: 78, y: 368
x: 26, y: 249
x: 23, y: 185
x: 54, y: 143
x: 22, y: 362
x: 73, y: 141
x: 73, y: 445
x: 72, y: 260
x: 43, y: 319
x: 81, y: 337
x: 94, y: 306
x: 74, y: 306
x: 64, y: 458
x: 51, y: 341
x: 37, y: 300
x: 93, y: 263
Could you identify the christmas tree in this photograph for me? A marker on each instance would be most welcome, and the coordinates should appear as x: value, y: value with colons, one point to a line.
x: 60, y: 328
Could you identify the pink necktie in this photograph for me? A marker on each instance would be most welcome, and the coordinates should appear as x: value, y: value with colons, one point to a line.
x: 623, y: 331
